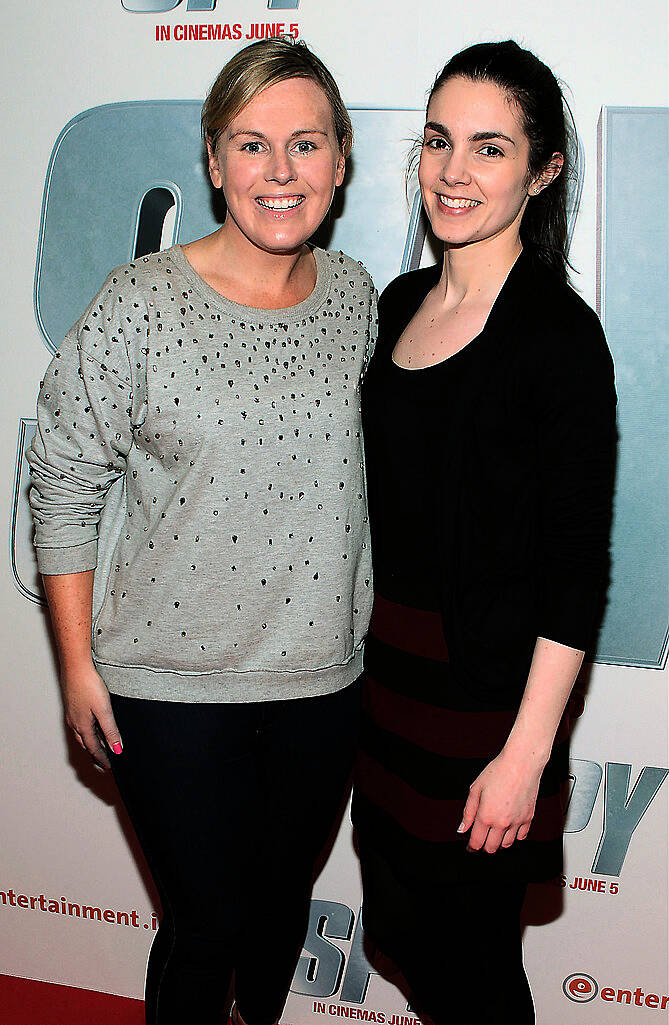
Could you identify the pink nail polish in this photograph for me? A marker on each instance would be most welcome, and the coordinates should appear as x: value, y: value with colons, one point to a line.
x: 117, y: 747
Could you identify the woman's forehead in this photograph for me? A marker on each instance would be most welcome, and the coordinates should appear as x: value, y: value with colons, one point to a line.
x: 465, y: 101
x: 291, y: 99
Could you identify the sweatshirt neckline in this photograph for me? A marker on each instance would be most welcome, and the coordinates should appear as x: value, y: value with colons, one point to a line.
x: 257, y: 315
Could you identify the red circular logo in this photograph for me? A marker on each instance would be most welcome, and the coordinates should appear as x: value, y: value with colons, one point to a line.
x: 580, y: 988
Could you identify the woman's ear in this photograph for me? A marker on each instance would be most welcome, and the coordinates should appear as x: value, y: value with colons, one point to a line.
x: 547, y: 175
x: 214, y: 167
x: 341, y: 170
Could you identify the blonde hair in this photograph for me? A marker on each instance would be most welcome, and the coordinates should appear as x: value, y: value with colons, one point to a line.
x: 254, y: 69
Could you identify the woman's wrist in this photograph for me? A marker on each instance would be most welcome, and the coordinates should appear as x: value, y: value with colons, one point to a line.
x: 74, y: 663
x: 529, y: 749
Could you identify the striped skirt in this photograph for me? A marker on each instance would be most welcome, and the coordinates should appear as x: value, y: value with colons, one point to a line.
x: 423, y: 743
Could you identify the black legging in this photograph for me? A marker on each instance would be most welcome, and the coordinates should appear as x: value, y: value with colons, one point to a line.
x: 232, y: 804
x: 458, y: 945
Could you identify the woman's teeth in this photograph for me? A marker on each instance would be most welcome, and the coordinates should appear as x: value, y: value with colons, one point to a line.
x: 458, y: 204
x: 280, y: 203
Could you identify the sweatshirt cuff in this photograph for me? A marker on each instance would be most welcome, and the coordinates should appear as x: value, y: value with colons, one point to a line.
x: 77, y: 559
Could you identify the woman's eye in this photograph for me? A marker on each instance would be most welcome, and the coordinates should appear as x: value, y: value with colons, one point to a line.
x: 304, y: 146
x: 436, y: 142
x: 252, y: 147
x: 491, y: 151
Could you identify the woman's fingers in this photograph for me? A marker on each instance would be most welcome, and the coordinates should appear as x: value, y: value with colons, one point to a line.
x: 491, y: 838
x: 471, y: 808
x: 78, y: 736
x: 510, y: 836
x: 494, y: 839
x: 478, y: 836
x: 523, y: 830
x: 486, y: 837
x: 87, y: 734
x: 108, y: 728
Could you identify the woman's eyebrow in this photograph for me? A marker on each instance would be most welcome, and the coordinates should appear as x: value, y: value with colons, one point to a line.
x: 260, y: 135
x: 436, y: 126
x: 486, y: 136
x: 247, y: 131
x: 308, y: 131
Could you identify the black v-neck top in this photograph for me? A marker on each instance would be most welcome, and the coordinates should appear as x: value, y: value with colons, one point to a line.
x: 490, y: 475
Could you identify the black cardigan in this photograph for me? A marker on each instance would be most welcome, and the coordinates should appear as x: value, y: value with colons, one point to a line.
x: 524, y: 548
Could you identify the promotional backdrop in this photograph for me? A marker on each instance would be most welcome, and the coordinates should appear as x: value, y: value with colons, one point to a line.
x: 102, y: 162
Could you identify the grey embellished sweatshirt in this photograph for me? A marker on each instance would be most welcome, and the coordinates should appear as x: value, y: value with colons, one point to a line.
x: 206, y: 459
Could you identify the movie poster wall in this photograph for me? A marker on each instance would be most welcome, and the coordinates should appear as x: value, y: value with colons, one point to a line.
x: 102, y: 161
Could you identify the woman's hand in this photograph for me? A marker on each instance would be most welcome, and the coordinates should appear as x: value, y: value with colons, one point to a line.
x: 86, y: 699
x: 89, y: 713
x: 501, y: 802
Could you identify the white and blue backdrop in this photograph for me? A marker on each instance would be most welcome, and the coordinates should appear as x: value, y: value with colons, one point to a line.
x: 101, y: 161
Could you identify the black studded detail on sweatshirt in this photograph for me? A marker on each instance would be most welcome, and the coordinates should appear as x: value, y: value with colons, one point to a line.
x: 234, y: 555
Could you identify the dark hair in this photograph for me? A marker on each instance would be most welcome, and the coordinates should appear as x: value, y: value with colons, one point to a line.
x: 548, y: 125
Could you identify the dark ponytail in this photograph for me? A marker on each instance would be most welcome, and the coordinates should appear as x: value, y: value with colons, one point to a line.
x: 548, y: 125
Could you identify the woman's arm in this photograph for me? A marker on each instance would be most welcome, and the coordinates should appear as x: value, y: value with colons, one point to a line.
x: 501, y: 801
x: 566, y: 384
x: 84, y: 432
x: 85, y: 698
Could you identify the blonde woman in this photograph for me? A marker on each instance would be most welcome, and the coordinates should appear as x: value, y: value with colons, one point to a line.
x: 219, y: 381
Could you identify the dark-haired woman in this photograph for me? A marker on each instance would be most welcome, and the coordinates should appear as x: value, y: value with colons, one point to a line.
x: 489, y: 414
x: 214, y: 388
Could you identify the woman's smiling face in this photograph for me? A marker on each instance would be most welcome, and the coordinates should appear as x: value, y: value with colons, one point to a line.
x: 473, y: 170
x: 278, y: 164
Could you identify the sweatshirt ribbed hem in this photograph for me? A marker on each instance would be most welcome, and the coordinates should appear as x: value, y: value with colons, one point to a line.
x: 228, y: 685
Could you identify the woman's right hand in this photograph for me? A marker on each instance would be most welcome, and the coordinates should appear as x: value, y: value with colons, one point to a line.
x: 89, y: 713
x: 86, y: 699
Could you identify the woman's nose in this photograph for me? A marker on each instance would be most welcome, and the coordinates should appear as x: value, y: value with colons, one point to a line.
x: 280, y: 168
x: 455, y: 170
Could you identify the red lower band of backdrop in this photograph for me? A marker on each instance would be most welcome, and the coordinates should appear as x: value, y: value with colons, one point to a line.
x: 26, y: 1002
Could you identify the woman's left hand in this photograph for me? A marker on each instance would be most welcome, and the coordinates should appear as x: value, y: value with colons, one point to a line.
x: 501, y: 803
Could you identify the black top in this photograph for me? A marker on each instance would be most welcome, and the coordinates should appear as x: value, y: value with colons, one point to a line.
x: 414, y: 441
x: 521, y: 474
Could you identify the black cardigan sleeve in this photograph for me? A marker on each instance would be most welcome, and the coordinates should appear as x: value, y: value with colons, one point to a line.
x: 572, y: 403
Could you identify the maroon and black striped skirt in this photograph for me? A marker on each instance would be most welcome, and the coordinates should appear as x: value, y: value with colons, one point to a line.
x: 423, y: 742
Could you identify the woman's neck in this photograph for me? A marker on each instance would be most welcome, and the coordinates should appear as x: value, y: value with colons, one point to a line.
x: 246, y: 274
x: 477, y: 271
